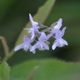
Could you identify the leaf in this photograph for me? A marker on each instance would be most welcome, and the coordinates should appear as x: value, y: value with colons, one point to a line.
x: 48, y: 70
x: 40, y: 16
x: 4, y: 71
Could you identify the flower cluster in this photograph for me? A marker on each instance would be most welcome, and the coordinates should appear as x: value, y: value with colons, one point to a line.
x: 40, y: 39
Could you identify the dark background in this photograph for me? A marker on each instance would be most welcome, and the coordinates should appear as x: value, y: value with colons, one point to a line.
x: 14, y: 16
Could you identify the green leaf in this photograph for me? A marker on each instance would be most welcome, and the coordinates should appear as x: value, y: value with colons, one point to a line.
x: 40, y: 16
x: 4, y: 71
x: 48, y: 70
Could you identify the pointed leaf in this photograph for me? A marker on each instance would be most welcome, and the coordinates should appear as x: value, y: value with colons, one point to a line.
x: 4, y: 71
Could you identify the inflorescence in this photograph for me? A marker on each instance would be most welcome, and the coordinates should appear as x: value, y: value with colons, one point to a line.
x: 39, y: 39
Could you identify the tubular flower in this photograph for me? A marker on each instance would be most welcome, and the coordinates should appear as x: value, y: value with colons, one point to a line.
x: 39, y: 39
x: 25, y: 45
x: 34, y: 29
x: 59, y: 42
x: 41, y: 44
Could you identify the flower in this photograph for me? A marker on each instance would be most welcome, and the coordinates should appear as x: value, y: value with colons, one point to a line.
x: 55, y: 29
x: 34, y: 29
x: 41, y: 38
x: 41, y: 44
x: 25, y: 45
x: 33, y: 32
x: 34, y: 24
x: 59, y: 42
x: 58, y: 34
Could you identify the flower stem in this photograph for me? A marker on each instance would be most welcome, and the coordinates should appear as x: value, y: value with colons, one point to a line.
x: 9, y: 55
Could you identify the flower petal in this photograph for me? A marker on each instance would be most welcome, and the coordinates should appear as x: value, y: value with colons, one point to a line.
x: 54, y: 46
x: 34, y: 24
x: 32, y: 49
x: 25, y: 38
x: 18, y: 47
x: 32, y: 35
x: 30, y: 17
x: 61, y: 42
x: 59, y: 24
x: 64, y: 42
x: 46, y: 47
x: 63, y: 31
x: 43, y: 36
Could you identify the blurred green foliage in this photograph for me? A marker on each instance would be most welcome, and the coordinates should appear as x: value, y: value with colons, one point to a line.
x: 48, y: 70
x: 14, y: 16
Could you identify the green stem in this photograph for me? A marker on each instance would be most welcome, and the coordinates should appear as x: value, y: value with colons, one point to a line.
x: 5, y: 46
x: 9, y: 55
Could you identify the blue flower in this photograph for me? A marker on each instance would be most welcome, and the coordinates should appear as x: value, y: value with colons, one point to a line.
x: 25, y: 45
x: 58, y: 34
x: 59, y: 42
x: 41, y: 44
x: 41, y: 38
x: 34, y: 29
x: 34, y: 24
x: 55, y: 28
